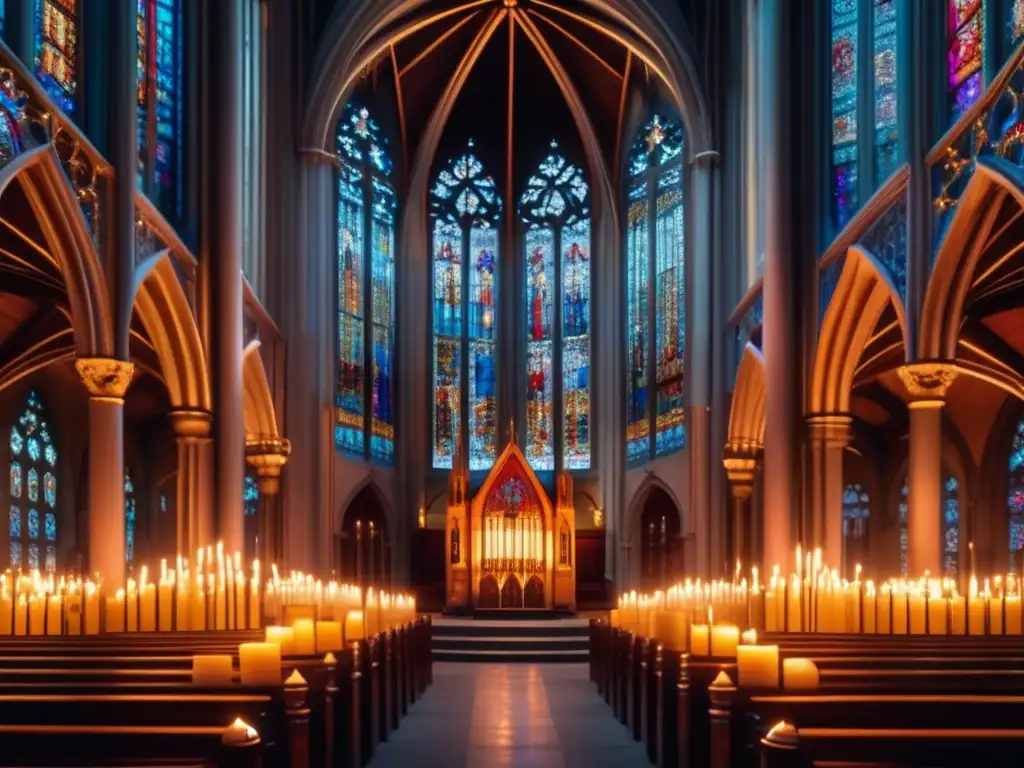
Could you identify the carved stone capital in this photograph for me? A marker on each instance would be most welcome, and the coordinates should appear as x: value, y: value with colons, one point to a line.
x: 740, y: 470
x: 927, y: 381
x: 193, y: 425
x: 105, y: 378
x: 830, y: 429
x: 268, y: 455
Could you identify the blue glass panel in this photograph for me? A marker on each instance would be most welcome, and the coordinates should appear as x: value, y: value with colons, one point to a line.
x: 33, y: 484
x: 966, y: 51
x: 670, y: 318
x: 50, y: 489
x: 15, y: 554
x: 14, y: 522
x: 886, y: 133
x: 129, y: 519
x: 17, y: 480
x: 50, y: 526
x: 483, y: 387
x: 576, y: 344
x: 56, y: 50
x: 17, y: 442
x: 382, y: 438
x: 33, y: 556
x: 638, y: 423
x: 51, y: 558
x: 540, y: 281
x: 251, y: 496
x: 350, y: 398
x: 845, y: 45
x: 33, y: 523
x: 166, y: 71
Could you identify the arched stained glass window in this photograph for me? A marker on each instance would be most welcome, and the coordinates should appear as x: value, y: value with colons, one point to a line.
x: 367, y: 208
x: 159, y: 99
x: 32, y: 490
x: 555, y: 209
x: 466, y: 208
x: 845, y: 53
x: 1015, y: 495
x: 856, y: 511
x: 965, y: 52
x: 950, y: 544
x: 56, y: 50
x: 129, y: 518
x: 656, y: 319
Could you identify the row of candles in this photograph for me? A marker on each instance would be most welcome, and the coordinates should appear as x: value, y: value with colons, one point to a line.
x: 261, y: 663
x: 218, y: 595
x: 513, y: 544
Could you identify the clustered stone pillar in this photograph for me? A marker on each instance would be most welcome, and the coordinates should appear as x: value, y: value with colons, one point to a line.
x: 107, y: 381
x: 927, y: 385
x: 830, y: 434
x: 223, y: 239
x: 195, y: 479
x: 740, y: 468
x: 268, y: 457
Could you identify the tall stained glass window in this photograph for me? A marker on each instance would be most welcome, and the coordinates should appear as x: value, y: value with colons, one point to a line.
x: 367, y: 208
x: 845, y: 49
x: 32, y: 490
x: 655, y: 292
x: 965, y: 52
x: 465, y: 207
x: 251, y: 506
x: 1015, y: 495
x: 56, y: 50
x: 129, y: 518
x: 856, y: 511
x: 950, y: 544
x: 886, y: 133
x: 555, y: 209
x: 159, y: 99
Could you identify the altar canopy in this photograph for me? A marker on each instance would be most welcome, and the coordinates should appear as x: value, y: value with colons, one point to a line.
x: 520, y: 553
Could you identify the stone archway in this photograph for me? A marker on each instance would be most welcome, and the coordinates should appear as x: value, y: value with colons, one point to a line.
x: 660, y: 545
x: 364, y: 546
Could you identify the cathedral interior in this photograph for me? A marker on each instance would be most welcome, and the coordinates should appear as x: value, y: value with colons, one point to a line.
x: 512, y: 302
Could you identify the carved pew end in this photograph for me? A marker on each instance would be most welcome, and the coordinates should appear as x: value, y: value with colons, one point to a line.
x: 240, y: 747
x: 780, y: 748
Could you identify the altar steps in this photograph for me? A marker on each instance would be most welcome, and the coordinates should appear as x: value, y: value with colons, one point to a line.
x: 537, y: 641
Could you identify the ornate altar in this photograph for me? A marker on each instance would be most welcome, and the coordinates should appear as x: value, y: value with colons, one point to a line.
x: 509, y: 546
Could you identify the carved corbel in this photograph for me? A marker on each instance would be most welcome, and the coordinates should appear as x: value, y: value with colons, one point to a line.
x: 106, y: 379
x: 268, y: 455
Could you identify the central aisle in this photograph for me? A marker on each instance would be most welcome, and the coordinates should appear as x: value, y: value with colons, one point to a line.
x: 501, y: 715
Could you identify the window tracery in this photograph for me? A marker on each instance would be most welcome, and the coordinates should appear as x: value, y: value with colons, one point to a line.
x: 32, y: 489
x: 367, y: 208
x: 555, y: 209
x: 656, y: 319
x: 466, y: 208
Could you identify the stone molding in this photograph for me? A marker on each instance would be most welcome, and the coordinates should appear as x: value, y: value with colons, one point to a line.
x: 105, y: 378
x: 195, y: 425
x: 268, y: 455
x: 830, y: 429
x: 740, y: 471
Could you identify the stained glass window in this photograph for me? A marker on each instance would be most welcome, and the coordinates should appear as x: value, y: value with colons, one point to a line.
x: 129, y: 518
x: 1015, y: 24
x: 33, y: 463
x: 950, y: 544
x: 159, y: 100
x: 251, y: 506
x: 251, y: 496
x: 466, y: 208
x: 367, y: 208
x: 1015, y: 494
x: 845, y: 45
x: 655, y: 258
x: 556, y: 211
x: 965, y: 53
x: 886, y: 133
x: 56, y: 50
x: 856, y: 511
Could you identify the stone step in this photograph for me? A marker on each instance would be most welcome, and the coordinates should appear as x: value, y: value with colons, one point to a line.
x: 512, y: 640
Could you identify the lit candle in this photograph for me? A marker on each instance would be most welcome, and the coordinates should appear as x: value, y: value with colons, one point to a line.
x: 72, y: 611
x: 166, y: 596
x: 6, y: 613
x: 260, y: 663
x: 92, y: 609
x: 132, y: 606
x: 21, y: 616
x: 197, y: 605
x: 53, y: 620
x: 328, y: 636
x: 749, y: 637
x: 354, y: 626
x: 670, y: 629
x: 937, y: 624
x: 975, y: 610
x: 255, y: 619
x: 958, y: 616
x: 757, y: 665
x: 36, y: 614
x: 212, y: 670
x: 870, y: 616
x: 282, y: 636
x: 800, y: 675
x: 700, y: 640
x: 305, y: 642
x: 147, y: 608
x: 115, y: 612
x: 1013, y: 615
x: 724, y: 640
x: 899, y: 612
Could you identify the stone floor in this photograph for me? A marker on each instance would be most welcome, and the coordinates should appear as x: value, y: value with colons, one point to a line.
x: 501, y: 715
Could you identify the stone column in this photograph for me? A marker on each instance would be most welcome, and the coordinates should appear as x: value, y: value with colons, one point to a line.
x: 781, y: 286
x: 106, y: 381
x: 222, y: 229
x: 740, y: 469
x: 268, y: 457
x: 195, y: 479
x: 829, y: 434
x: 927, y: 384
x: 699, y: 365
